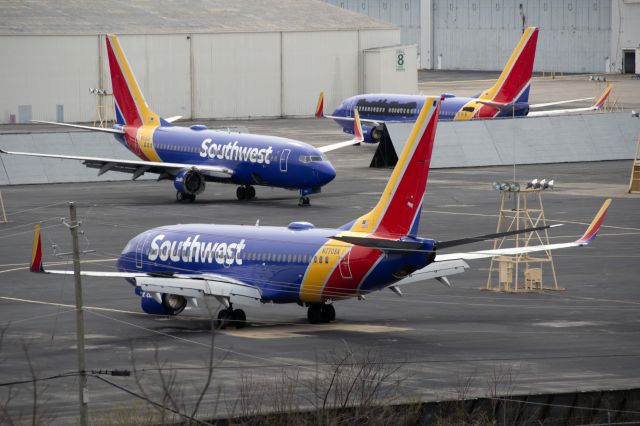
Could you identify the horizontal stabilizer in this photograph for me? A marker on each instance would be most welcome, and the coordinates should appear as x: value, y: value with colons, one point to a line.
x: 78, y: 126
x: 587, y: 238
x: 470, y: 240
x: 380, y: 243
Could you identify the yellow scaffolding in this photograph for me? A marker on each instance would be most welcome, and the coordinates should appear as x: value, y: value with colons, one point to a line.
x: 634, y: 182
x: 505, y: 272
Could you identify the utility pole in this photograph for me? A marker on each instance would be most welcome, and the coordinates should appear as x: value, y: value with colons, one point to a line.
x: 82, y: 383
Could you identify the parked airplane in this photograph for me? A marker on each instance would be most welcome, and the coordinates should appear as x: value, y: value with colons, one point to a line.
x: 173, y: 266
x: 508, y: 97
x: 196, y: 155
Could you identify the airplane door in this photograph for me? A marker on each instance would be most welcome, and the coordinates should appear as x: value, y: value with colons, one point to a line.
x: 284, y: 157
x: 345, y: 269
x: 140, y: 252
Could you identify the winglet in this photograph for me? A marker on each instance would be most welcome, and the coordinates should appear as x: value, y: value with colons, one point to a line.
x: 320, y: 106
x: 593, y: 228
x: 601, y: 101
x: 36, y: 252
x: 357, y: 126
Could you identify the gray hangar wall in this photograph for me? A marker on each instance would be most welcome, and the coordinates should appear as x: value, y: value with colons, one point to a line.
x: 575, y: 35
x: 221, y: 75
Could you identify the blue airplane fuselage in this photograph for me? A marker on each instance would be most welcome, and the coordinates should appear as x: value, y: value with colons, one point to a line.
x: 254, y: 159
x: 277, y: 260
x: 406, y: 108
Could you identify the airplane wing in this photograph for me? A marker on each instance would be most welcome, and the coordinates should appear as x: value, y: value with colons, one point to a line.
x: 357, y: 136
x: 568, y: 101
x: 78, y: 126
x: 225, y: 289
x: 137, y: 167
x: 320, y: 114
x: 587, y: 238
x: 595, y: 107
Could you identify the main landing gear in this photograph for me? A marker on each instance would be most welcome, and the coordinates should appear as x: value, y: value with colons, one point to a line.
x: 304, y: 201
x: 230, y: 317
x: 183, y: 197
x: 321, y: 313
x: 247, y: 192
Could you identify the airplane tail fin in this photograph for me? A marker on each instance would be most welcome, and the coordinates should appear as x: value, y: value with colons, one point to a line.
x: 320, y: 106
x: 131, y: 108
x: 514, y: 81
x: 398, y: 210
x: 36, y: 252
x: 603, y: 99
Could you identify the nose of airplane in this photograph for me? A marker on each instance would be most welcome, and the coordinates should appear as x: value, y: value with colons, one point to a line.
x: 325, y: 172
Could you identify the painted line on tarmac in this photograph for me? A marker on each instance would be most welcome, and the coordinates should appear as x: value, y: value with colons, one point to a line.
x: 66, y: 305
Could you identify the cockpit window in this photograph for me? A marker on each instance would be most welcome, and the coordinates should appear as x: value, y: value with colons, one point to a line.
x: 312, y: 158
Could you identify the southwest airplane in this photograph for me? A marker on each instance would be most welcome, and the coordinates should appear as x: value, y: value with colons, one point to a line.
x: 175, y: 266
x: 508, y: 97
x: 196, y: 155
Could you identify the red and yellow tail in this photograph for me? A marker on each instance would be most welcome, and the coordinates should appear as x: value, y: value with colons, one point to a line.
x: 517, y: 73
x: 320, y: 106
x: 399, y: 206
x: 131, y: 107
x: 603, y: 98
x: 36, y: 252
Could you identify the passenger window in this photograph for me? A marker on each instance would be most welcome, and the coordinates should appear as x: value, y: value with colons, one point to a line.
x: 326, y: 259
x: 315, y: 259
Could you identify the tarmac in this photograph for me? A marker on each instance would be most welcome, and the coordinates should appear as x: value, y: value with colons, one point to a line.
x: 585, y: 337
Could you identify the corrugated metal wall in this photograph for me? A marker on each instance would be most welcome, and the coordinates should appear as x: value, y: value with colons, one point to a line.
x: 404, y: 14
x: 231, y: 75
x: 43, y: 72
x: 575, y: 35
x: 480, y: 35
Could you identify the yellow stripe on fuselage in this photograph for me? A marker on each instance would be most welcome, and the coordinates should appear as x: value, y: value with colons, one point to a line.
x: 317, y: 274
x: 144, y: 138
x: 148, y: 117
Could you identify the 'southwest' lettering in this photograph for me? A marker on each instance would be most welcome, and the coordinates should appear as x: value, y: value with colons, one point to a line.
x: 195, y: 251
x: 231, y: 151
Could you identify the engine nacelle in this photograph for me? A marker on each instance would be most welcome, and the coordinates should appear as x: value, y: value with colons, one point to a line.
x: 172, y: 304
x: 374, y: 134
x: 190, y: 182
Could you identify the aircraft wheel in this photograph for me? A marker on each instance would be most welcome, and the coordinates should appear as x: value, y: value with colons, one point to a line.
x: 314, y: 314
x: 241, y: 193
x: 251, y: 192
x: 238, y: 318
x: 224, y: 318
x: 191, y: 197
x: 180, y: 196
x: 328, y: 313
x: 304, y: 201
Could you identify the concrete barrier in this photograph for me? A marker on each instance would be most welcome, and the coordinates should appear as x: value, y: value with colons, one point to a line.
x: 537, y: 140
x: 586, y: 137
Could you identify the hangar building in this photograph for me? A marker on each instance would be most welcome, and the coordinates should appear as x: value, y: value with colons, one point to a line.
x: 206, y: 59
x: 575, y: 35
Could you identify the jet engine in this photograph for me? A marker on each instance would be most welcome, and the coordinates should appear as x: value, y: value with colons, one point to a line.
x: 374, y: 134
x: 189, y: 182
x: 172, y: 304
